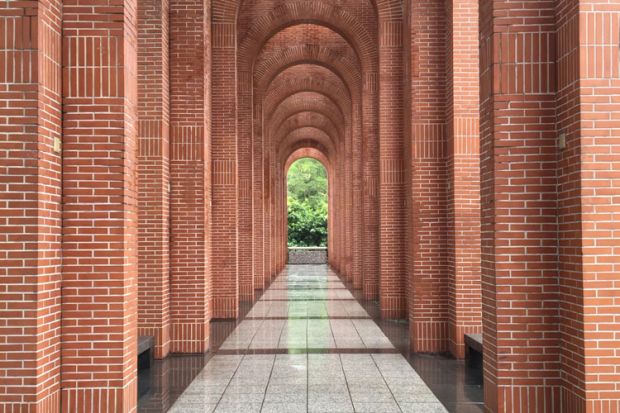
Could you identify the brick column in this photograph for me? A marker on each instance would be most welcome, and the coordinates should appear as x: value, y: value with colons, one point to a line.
x: 153, y: 175
x: 30, y: 166
x: 428, y: 283
x: 518, y: 201
x: 463, y: 134
x: 245, y: 208
x: 99, y: 301
x: 190, y: 182
x: 348, y: 203
x: 258, y: 197
x: 588, y: 117
x: 370, y: 149
x: 339, y: 231
x: 391, y: 178
x: 267, y: 215
x: 225, y: 169
x: 357, y: 222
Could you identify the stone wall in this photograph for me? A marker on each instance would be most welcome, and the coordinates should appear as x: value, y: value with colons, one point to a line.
x: 307, y: 255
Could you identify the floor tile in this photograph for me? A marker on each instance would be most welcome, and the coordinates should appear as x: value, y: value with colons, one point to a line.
x: 284, y: 408
x: 377, y: 407
x: 423, y: 407
x: 324, y: 317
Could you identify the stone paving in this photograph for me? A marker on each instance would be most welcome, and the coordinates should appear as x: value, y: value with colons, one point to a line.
x: 307, y: 346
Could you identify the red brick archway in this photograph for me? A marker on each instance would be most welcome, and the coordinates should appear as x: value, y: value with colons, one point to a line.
x: 472, y: 171
x: 323, y: 158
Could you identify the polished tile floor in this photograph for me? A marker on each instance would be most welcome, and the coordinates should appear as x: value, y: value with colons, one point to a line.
x: 307, y: 346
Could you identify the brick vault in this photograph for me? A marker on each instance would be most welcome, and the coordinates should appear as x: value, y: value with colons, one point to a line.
x: 473, y: 158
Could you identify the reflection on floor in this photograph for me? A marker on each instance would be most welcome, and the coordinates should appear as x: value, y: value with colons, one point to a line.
x: 308, y: 345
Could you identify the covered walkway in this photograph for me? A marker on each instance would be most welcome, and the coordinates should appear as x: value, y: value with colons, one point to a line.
x: 472, y: 151
x: 307, y: 345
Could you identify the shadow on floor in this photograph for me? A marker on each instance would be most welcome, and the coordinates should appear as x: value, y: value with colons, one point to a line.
x: 455, y: 383
x: 161, y: 385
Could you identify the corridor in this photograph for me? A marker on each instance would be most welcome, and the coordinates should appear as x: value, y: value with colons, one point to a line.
x: 307, y: 346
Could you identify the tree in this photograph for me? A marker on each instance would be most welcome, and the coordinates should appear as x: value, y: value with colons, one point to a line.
x: 307, y: 203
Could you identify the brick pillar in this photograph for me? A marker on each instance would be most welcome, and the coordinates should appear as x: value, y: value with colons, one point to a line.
x: 258, y: 197
x: 391, y: 190
x: 370, y: 149
x: 428, y: 283
x: 272, y: 217
x: 153, y: 175
x: 339, y: 211
x: 357, y: 219
x: 99, y: 291
x: 268, y: 218
x: 244, y: 202
x: 225, y: 164
x: 463, y: 128
x: 348, y: 202
x: 30, y: 166
x: 189, y: 176
x: 588, y: 117
x: 518, y: 202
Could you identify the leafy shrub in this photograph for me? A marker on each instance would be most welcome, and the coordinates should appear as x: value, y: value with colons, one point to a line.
x: 307, y: 204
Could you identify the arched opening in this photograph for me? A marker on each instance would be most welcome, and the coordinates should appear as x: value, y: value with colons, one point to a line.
x: 307, y: 203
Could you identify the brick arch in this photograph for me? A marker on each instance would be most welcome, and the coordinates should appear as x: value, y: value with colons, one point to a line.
x: 307, y: 118
x: 315, y: 12
x: 305, y: 78
x: 309, y: 101
x: 225, y: 11
x: 389, y: 10
x: 344, y: 66
x: 306, y: 130
x: 305, y: 135
x: 280, y: 90
x: 305, y: 143
x: 307, y: 152
x: 326, y: 138
x: 303, y: 149
x: 295, y: 151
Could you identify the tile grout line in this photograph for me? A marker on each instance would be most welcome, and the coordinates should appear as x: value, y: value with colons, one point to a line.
x: 346, y: 382
x: 228, y: 384
x: 385, y: 381
x: 268, y: 382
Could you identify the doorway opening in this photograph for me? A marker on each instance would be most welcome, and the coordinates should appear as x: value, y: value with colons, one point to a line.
x: 307, y: 200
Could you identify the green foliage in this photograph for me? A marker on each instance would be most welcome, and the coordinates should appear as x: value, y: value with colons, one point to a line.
x: 307, y: 204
